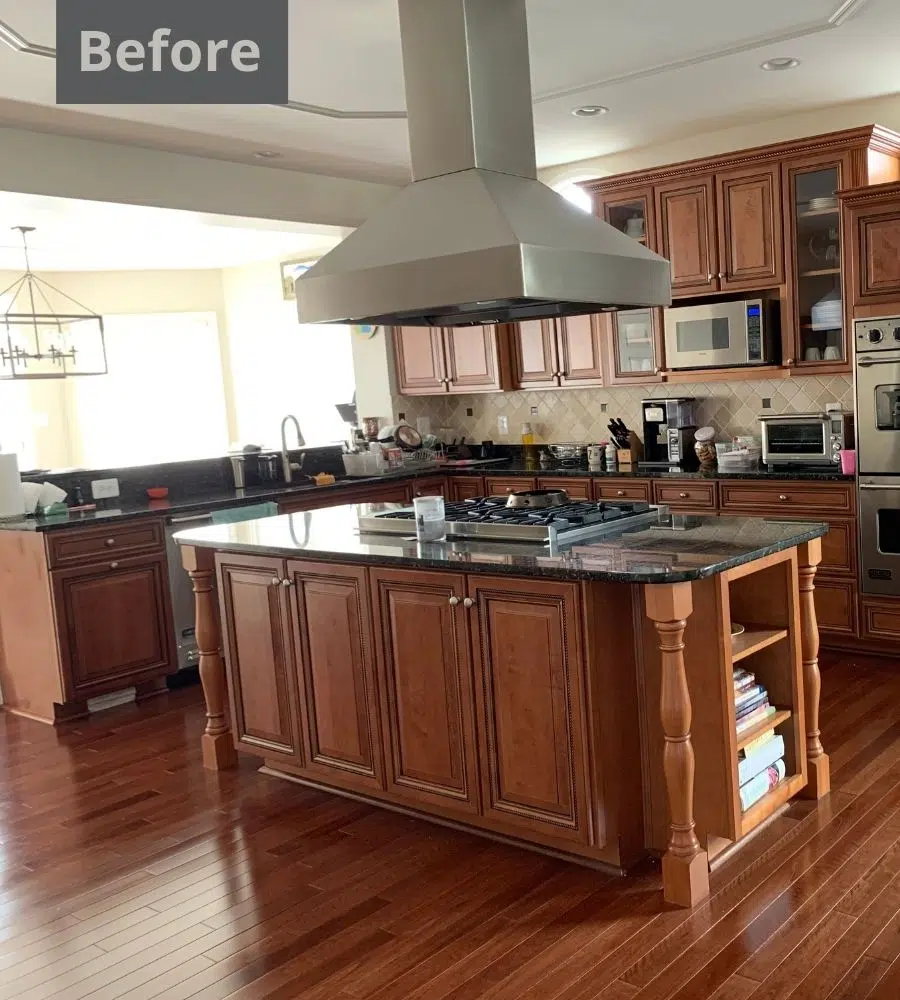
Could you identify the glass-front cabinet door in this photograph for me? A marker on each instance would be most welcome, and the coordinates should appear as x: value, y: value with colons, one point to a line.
x: 817, y: 335
x: 635, y: 342
x: 630, y: 210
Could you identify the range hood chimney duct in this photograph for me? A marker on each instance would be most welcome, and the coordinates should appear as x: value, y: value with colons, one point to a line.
x: 476, y: 238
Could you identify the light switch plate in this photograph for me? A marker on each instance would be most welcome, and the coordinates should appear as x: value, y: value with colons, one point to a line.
x: 102, y: 489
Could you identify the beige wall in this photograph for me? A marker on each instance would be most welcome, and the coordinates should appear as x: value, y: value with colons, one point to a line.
x: 882, y: 111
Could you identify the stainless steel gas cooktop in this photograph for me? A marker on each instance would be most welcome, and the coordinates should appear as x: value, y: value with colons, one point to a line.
x: 493, y: 518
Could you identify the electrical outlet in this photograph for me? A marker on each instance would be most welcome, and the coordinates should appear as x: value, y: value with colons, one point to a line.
x: 604, y: 407
x: 766, y: 403
x: 534, y: 411
x: 470, y: 412
x: 503, y: 424
x: 103, y: 489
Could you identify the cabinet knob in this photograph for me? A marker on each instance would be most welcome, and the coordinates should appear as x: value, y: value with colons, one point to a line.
x: 113, y: 565
x: 468, y: 603
x: 275, y: 582
x: 721, y: 274
x: 710, y: 277
x: 656, y: 371
x: 620, y: 493
x: 454, y: 601
x: 110, y: 542
x: 784, y: 498
x: 788, y: 362
x: 287, y: 583
x: 683, y: 496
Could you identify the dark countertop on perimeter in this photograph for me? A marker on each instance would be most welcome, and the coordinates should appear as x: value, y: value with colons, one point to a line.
x: 681, y: 549
x: 221, y: 500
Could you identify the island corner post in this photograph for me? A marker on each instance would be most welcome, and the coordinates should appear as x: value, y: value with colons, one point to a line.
x: 685, y: 864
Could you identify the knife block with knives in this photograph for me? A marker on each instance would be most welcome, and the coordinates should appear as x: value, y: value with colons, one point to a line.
x: 629, y: 447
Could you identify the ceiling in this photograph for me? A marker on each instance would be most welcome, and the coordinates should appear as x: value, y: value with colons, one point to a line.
x: 99, y: 236
x: 666, y: 71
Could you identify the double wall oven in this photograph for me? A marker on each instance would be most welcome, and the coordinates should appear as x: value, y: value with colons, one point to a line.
x: 878, y: 452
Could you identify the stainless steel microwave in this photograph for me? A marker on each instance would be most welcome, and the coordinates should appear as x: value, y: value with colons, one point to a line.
x: 721, y: 334
x: 805, y: 438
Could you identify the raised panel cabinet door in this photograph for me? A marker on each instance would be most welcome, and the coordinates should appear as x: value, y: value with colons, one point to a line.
x: 536, y: 363
x: 685, y: 214
x: 258, y: 656
x: 751, y: 228
x: 580, y: 353
x: 529, y: 691
x: 419, y: 360
x: 425, y: 665
x: 466, y: 487
x: 333, y: 652
x: 475, y: 362
x: 878, y: 235
x: 115, y: 624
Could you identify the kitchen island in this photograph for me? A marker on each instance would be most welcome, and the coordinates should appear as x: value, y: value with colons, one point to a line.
x: 552, y: 696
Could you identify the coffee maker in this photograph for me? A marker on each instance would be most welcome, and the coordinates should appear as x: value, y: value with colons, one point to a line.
x: 669, y: 426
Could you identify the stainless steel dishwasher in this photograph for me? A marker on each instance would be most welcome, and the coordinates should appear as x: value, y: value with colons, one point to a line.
x: 182, y: 589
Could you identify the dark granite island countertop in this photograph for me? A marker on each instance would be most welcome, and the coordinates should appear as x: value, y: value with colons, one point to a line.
x: 680, y: 549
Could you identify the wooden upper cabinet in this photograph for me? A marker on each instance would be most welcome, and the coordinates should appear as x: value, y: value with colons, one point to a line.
x: 429, y: 721
x: 477, y: 358
x: 529, y: 690
x: 871, y: 219
x: 114, y: 623
x: 579, y: 340
x: 419, y: 360
x: 631, y: 211
x: 258, y: 657
x: 751, y: 231
x: 535, y: 356
x: 336, y: 676
x: 686, y: 234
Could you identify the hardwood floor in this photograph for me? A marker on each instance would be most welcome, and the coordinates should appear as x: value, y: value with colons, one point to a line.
x: 126, y: 871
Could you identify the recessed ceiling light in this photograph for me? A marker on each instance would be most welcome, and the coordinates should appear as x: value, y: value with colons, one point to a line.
x: 268, y: 154
x: 779, y: 63
x: 589, y: 111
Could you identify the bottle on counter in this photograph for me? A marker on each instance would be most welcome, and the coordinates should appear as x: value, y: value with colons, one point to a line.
x: 612, y: 458
x: 527, y: 435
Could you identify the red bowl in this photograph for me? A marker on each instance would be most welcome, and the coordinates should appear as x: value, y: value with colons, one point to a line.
x: 158, y: 492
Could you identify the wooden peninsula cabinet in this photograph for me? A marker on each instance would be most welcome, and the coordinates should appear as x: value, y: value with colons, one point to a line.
x: 83, y: 611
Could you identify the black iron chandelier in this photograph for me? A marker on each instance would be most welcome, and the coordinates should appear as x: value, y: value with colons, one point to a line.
x: 38, y: 341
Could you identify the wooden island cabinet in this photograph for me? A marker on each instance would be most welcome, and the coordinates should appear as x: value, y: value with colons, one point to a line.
x: 530, y: 697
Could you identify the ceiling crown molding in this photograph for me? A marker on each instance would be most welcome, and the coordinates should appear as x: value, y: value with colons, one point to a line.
x: 843, y: 13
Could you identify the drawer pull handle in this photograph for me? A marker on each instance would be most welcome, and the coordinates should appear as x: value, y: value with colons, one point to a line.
x: 683, y: 496
x: 620, y: 493
x: 110, y: 542
x: 784, y: 498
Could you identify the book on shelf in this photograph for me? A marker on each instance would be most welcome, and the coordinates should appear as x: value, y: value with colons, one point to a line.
x: 750, y: 700
x: 755, y: 717
x: 748, y: 694
x: 760, y: 759
x: 759, y: 786
x: 760, y: 741
x: 754, y: 704
x: 743, y: 679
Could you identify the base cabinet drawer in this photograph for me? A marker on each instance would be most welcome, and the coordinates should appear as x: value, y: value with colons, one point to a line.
x: 686, y: 495
x: 881, y: 620
x: 810, y: 499
x: 577, y: 489
x: 498, y: 487
x: 836, y: 602
x: 466, y: 487
x: 622, y: 489
x: 80, y: 545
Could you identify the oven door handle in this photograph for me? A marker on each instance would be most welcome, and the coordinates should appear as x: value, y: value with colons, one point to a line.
x: 874, y: 486
x: 871, y: 362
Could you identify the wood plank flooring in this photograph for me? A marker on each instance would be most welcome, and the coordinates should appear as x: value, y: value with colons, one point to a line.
x: 127, y: 872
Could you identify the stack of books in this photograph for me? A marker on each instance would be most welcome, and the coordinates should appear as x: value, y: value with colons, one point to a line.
x: 761, y: 763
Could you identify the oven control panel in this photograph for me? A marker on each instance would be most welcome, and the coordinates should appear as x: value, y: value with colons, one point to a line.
x: 877, y: 334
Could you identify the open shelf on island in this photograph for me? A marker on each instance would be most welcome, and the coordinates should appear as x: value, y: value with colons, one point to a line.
x: 754, y: 638
x: 771, y: 802
x: 763, y: 726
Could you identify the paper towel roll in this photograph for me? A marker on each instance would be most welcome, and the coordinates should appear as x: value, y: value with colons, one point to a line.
x: 12, y: 499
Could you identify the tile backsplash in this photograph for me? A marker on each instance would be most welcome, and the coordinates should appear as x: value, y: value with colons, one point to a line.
x: 731, y: 408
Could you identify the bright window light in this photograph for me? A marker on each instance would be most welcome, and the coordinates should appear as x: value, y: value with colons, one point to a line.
x: 577, y: 196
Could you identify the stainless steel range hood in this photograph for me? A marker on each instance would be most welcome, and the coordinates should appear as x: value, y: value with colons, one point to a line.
x: 476, y: 238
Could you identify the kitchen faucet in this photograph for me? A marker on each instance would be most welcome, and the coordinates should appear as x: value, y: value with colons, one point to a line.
x: 287, y: 466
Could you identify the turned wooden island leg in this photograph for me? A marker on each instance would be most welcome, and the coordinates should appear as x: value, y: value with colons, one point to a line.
x: 819, y: 784
x: 685, y: 865
x: 219, y: 753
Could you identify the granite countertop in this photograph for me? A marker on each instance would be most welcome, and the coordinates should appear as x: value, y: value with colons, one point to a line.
x: 679, y: 549
x: 221, y: 500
